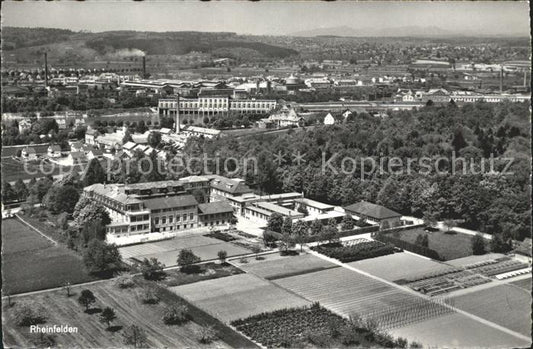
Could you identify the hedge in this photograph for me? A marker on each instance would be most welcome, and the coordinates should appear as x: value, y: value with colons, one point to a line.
x: 356, y: 252
x: 421, y: 250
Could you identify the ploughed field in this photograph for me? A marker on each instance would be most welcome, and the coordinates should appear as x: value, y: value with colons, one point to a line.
x: 167, y: 251
x: 348, y: 292
x: 30, y: 262
x: 239, y: 296
x: 129, y: 309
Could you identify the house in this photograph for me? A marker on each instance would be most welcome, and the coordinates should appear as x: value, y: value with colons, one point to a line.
x: 94, y: 154
x: 61, y: 123
x: 222, y: 188
x: 54, y: 151
x: 374, y: 214
x: 329, y: 119
x: 29, y: 154
x: 76, y: 157
x: 128, y: 148
x: 286, y: 117
x: 90, y: 136
x: 76, y: 147
x: 523, y: 250
x: 24, y: 125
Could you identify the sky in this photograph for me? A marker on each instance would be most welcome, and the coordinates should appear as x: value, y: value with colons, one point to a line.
x: 268, y: 17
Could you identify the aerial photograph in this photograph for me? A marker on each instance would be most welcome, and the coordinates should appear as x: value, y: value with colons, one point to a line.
x: 266, y: 174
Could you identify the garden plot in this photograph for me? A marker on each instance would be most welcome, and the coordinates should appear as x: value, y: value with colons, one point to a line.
x: 399, y: 266
x: 504, y: 305
x: 239, y: 296
x: 275, y: 266
x: 347, y: 292
x: 167, y: 251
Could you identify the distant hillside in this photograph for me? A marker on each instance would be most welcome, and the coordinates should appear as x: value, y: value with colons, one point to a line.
x: 27, y: 44
x: 409, y: 31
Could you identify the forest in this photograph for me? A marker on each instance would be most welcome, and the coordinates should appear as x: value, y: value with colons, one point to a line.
x: 496, y: 202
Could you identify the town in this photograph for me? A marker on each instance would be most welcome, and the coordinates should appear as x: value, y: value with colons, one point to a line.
x: 308, y: 189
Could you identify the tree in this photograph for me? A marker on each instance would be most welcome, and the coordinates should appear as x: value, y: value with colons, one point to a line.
x: 127, y: 137
x: 330, y: 234
x: 206, y: 334
x: 458, y: 141
x: 151, y: 269
x: 154, y: 139
x: 61, y: 198
x: 87, y: 211
x: 176, y: 314
x: 135, y: 336
x: 186, y: 259
x: 275, y: 222
x: 8, y: 194
x: 94, y: 173
x: 28, y: 314
x: 86, y: 298
x: 499, y: 245
x: 287, y: 242
x: 66, y: 287
x: 286, y: 227
x: 222, y: 255
x: 449, y: 224
x: 107, y: 316
x: 347, y: 223
x: 21, y: 190
x: 316, y: 227
x: 478, y: 244
x: 149, y: 295
x: 93, y: 230
x: 100, y: 257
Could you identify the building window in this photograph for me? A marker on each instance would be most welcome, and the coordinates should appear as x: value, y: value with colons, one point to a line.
x: 156, y: 220
x: 191, y: 216
x: 170, y: 219
x: 164, y: 220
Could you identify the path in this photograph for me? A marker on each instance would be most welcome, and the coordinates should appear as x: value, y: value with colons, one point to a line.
x: 465, y: 231
x: 408, y: 290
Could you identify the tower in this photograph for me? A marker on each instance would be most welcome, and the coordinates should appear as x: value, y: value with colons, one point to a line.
x: 177, y: 113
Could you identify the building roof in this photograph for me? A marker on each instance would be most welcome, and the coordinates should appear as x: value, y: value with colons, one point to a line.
x: 215, y: 207
x: 315, y: 204
x: 371, y: 210
x: 129, y: 145
x: 77, y: 155
x: 279, y: 209
x: 232, y: 186
x: 170, y: 202
x: 54, y: 147
x: 29, y: 150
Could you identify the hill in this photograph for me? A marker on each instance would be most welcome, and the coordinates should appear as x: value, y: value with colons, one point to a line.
x: 25, y: 45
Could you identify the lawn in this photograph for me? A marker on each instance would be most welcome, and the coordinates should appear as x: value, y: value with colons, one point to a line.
x: 205, y: 271
x: 399, y: 266
x: 448, y: 246
x: 129, y: 310
x: 505, y: 305
x: 238, y: 296
x: 167, y: 251
x: 347, y: 292
x: 458, y: 331
x: 30, y: 262
x: 274, y: 266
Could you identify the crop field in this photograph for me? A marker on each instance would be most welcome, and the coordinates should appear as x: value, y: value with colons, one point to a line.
x: 456, y: 331
x: 347, y: 292
x: 275, y: 266
x: 129, y: 309
x: 448, y: 246
x: 399, y: 266
x: 167, y: 251
x: 30, y: 262
x: 239, y: 296
x: 504, y: 305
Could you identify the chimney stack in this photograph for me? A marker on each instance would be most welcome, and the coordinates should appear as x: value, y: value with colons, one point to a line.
x: 501, y: 79
x: 45, y: 70
x: 178, y: 113
x: 144, y: 67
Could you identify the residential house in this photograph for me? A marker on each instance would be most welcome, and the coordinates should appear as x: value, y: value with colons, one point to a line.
x: 374, y: 214
x: 54, y: 151
x: 28, y: 154
x: 76, y: 157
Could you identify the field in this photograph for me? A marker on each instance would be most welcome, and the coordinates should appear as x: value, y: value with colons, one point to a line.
x: 456, y: 331
x: 399, y: 266
x: 275, y: 266
x: 347, y: 292
x: 239, y: 296
x: 129, y: 310
x: 504, y: 305
x: 30, y: 262
x: 448, y: 246
x: 524, y: 283
x: 167, y: 251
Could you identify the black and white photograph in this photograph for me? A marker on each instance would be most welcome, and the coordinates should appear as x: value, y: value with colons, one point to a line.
x: 266, y: 174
